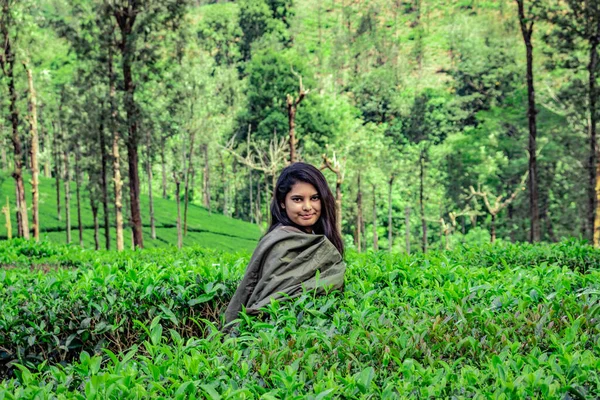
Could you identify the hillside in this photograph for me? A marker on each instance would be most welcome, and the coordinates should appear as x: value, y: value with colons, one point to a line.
x: 204, y: 228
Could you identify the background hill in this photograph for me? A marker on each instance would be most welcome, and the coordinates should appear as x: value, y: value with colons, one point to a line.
x: 204, y: 229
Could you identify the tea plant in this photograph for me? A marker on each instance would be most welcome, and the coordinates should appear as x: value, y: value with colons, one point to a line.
x: 461, y: 324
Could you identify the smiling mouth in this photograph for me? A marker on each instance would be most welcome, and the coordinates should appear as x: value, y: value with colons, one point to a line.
x: 307, y: 216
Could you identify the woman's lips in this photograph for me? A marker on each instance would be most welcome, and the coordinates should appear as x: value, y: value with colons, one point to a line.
x: 307, y: 216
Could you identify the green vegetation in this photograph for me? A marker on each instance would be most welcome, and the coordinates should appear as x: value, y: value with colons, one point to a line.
x: 504, y: 321
x: 212, y: 230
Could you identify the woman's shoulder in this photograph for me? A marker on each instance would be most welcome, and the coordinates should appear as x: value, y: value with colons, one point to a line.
x: 281, y: 234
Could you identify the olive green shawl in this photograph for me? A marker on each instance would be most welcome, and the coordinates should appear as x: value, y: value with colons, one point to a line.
x: 286, y: 261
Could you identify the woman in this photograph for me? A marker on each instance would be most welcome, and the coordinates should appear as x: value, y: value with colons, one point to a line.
x: 301, y: 241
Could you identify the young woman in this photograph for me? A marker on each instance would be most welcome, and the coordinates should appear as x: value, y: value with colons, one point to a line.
x: 302, y: 248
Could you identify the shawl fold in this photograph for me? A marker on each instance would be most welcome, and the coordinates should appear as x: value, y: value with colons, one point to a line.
x: 285, y: 263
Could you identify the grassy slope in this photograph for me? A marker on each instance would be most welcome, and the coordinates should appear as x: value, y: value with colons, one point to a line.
x: 204, y: 228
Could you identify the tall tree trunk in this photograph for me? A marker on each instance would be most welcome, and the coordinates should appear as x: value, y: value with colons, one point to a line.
x: 8, y: 63
x: 7, y: 223
x: 422, y: 201
x: 186, y: 194
x: 510, y: 212
x: 527, y: 31
x: 150, y: 179
x: 163, y: 165
x: 225, y: 186
x: 206, y: 189
x: 390, y: 226
x: 258, y: 201
x: 292, y: 108
x: 178, y: 199
x: 18, y: 212
x: 78, y: 193
x: 252, y: 219
x: 118, y: 182
x: 57, y: 171
x: 359, y: 216
x: 375, y: 238
x: 594, y: 166
x: 94, y: 206
x: 338, y: 201
x: 407, y: 228
x: 67, y: 182
x: 104, y: 185
x: 132, y: 130
x: 33, y: 124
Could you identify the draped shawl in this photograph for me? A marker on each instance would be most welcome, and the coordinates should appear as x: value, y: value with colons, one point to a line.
x: 286, y: 261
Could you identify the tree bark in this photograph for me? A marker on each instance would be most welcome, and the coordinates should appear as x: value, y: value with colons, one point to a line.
x: 375, y: 238
x: 57, y: 171
x: 493, y: 228
x: 206, y: 186
x: 225, y: 186
x: 258, y: 201
x: 7, y: 61
x: 118, y: 183
x: 163, y: 165
x: 8, y: 225
x: 177, y: 197
x: 527, y: 31
x: 186, y: 194
x: 126, y: 22
x: 594, y: 169
x: 422, y: 201
x: 359, y: 216
x: 67, y: 183
x: 104, y: 185
x: 78, y: 193
x: 292, y: 108
x: 94, y: 206
x: 252, y: 219
x: 390, y: 226
x: 35, y: 171
x: 150, y: 179
x: 18, y: 212
x: 407, y: 228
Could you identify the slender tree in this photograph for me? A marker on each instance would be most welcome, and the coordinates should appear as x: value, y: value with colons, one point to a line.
x: 292, y: 108
x: 375, y: 238
x: 35, y: 170
x: 134, y: 19
x: 578, y: 22
x: 527, y: 20
x: 117, y: 181
x: 336, y: 167
x: 7, y: 63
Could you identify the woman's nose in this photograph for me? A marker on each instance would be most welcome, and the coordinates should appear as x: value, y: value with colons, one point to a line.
x: 306, y: 205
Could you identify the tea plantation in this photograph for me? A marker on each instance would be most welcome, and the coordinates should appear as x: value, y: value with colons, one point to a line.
x: 503, y: 322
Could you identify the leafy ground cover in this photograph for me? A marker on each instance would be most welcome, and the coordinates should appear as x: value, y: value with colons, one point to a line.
x: 205, y: 229
x: 486, y: 322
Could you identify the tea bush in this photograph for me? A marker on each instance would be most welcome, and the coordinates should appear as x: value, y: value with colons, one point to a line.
x: 485, y: 322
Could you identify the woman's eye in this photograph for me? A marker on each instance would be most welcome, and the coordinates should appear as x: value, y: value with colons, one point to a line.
x: 316, y: 198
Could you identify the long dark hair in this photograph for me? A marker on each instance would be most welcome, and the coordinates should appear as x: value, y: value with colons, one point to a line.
x: 302, y: 172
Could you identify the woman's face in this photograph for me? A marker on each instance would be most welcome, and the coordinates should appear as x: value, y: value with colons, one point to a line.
x: 303, y: 205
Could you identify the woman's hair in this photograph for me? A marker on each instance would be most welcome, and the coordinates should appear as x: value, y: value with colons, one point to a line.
x: 302, y: 172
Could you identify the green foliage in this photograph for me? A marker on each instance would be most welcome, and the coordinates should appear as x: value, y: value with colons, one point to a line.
x: 506, y: 321
x: 219, y: 32
x: 266, y: 19
x: 272, y: 75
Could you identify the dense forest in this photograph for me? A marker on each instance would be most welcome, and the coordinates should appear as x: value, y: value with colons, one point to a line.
x: 436, y: 122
